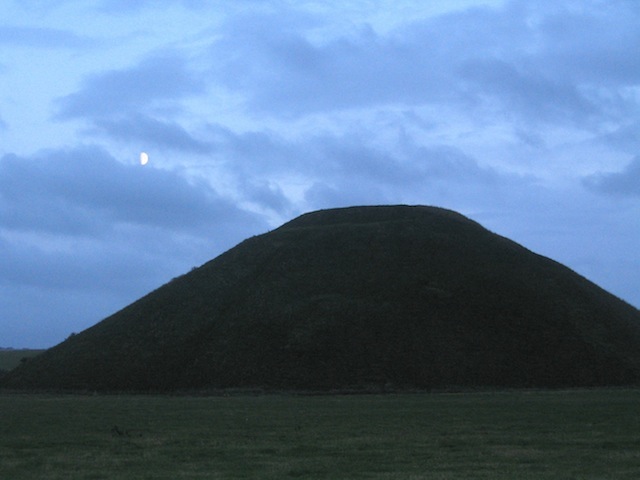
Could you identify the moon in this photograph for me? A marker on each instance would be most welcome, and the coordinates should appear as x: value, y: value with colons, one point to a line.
x: 144, y: 158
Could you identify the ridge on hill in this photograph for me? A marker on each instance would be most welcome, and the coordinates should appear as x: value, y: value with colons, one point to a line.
x: 381, y: 297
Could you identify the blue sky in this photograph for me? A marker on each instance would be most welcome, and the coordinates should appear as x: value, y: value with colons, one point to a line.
x: 523, y: 115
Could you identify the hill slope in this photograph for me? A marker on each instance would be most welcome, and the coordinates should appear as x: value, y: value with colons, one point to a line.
x: 11, y: 358
x: 362, y: 297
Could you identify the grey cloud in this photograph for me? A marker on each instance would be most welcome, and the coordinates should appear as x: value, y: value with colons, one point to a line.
x: 416, y: 175
x: 503, y: 54
x: 409, y: 163
x: 284, y: 72
x: 341, y: 193
x: 348, y: 166
x: 150, y: 131
x: 626, y: 182
x: 626, y: 137
x: 77, y: 224
x: 157, y: 79
x: 41, y: 37
x: 339, y: 156
x: 126, y: 6
x: 84, y: 191
x: 81, y: 281
x: 257, y: 153
x: 338, y: 170
x: 351, y: 155
x: 267, y: 195
x: 594, y: 43
x: 52, y: 316
x: 527, y: 93
x: 89, y: 266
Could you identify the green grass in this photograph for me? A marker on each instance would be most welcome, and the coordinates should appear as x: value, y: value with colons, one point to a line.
x: 591, y: 434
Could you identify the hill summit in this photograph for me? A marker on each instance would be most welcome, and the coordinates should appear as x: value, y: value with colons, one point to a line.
x: 364, y: 298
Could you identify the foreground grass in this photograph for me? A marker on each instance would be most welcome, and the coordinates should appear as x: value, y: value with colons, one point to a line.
x: 578, y: 434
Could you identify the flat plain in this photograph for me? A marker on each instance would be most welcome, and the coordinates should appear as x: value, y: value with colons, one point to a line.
x: 574, y: 434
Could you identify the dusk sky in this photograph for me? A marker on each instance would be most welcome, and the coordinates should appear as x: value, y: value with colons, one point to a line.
x: 523, y: 115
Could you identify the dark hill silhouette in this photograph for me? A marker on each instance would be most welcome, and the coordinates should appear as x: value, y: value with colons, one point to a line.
x: 358, y: 298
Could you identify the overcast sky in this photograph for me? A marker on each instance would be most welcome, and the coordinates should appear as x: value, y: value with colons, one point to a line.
x: 522, y: 114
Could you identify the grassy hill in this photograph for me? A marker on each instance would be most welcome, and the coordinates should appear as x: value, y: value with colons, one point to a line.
x: 358, y: 298
x: 11, y: 358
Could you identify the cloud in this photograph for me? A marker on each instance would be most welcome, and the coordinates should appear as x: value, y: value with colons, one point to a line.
x: 154, y: 81
x: 282, y: 71
x: 268, y: 195
x: 41, y: 37
x: 36, y: 317
x: 132, y: 104
x: 626, y: 182
x: 84, y: 191
x: 89, y: 265
x: 150, y: 131
x: 626, y: 137
x: 486, y: 60
x: 86, y: 235
x: 527, y: 93
x: 439, y: 175
x: 401, y: 164
x: 355, y: 153
x: 492, y: 111
x: 588, y: 42
x: 50, y: 288
x: 125, y: 6
x: 325, y: 169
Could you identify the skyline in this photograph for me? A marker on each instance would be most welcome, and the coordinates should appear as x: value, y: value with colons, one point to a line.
x: 522, y: 115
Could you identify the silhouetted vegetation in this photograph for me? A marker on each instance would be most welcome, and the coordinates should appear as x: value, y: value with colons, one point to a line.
x: 11, y: 358
x: 365, y: 299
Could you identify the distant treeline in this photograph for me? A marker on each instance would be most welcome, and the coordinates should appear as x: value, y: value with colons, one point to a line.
x: 10, y: 358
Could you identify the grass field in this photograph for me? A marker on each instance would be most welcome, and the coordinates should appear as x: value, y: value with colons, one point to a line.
x: 589, y: 434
